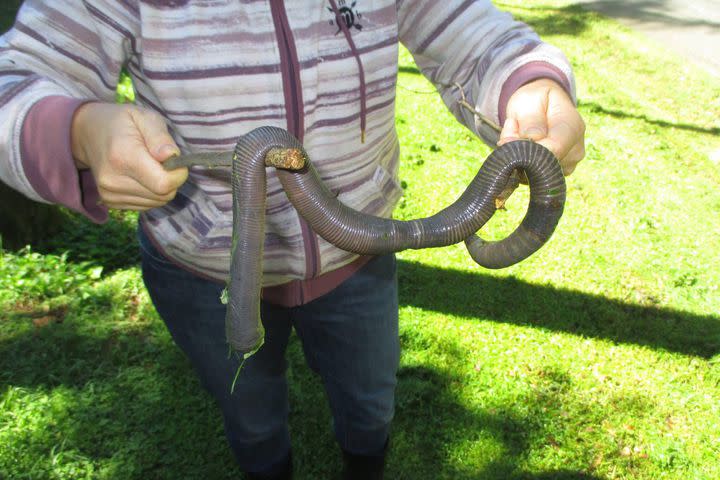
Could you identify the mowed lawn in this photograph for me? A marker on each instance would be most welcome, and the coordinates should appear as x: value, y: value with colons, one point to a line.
x: 597, y: 358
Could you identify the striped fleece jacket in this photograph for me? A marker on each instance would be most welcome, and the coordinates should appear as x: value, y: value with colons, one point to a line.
x: 214, y: 69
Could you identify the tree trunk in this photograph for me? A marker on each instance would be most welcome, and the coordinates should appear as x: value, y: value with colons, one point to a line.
x: 24, y: 222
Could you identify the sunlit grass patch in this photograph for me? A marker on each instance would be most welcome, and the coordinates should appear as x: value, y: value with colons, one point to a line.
x: 598, y: 357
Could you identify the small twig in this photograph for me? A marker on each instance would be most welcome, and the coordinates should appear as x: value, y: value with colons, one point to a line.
x: 464, y: 103
x: 418, y: 92
x: 517, y: 176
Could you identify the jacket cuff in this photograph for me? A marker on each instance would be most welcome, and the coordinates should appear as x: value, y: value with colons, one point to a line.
x: 45, y: 147
x: 526, y: 74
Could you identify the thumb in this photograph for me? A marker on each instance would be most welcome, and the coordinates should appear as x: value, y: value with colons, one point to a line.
x: 530, y: 111
x: 509, y: 131
x: 161, y: 146
x: 154, y: 131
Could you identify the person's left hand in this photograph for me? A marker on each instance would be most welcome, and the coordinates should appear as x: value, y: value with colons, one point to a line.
x: 543, y: 112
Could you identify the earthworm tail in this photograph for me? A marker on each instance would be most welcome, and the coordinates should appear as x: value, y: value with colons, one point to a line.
x: 243, y: 328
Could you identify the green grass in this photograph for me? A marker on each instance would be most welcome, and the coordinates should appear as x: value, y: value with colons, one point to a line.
x: 595, y: 358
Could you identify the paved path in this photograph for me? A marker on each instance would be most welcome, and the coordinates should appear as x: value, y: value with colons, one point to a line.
x: 690, y: 28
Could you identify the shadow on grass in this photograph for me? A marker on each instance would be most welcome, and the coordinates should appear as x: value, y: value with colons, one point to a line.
x: 121, y: 402
x: 505, y: 300
x: 431, y: 421
x: 127, y: 403
x: 597, y: 108
x: 113, y: 245
x: 546, y: 20
x: 513, y: 301
x: 646, y: 11
x: 575, y: 18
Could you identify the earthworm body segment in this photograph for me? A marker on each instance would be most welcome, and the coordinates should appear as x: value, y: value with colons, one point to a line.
x: 365, y: 234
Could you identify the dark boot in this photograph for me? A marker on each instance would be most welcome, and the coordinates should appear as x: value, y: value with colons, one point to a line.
x: 282, y: 471
x: 364, y: 467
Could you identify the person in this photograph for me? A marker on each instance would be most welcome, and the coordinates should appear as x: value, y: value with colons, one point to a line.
x: 206, y: 73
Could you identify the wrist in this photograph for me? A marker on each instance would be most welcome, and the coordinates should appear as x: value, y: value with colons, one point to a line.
x: 78, y: 134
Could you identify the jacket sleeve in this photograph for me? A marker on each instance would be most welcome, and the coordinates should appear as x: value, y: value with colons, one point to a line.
x: 57, y: 56
x: 484, y: 50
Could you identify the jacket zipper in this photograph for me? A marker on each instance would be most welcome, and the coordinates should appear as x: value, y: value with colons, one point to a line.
x: 292, y: 89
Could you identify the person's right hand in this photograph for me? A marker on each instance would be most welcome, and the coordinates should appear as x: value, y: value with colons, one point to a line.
x: 124, y: 146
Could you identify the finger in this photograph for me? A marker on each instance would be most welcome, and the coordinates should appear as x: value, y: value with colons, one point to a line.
x: 128, y: 187
x: 561, y: 138
x: 567, y: 128
x: 132, y: 207
x: 571, y: 160
x: 509, y: 131
x: 128, y: 202
x: 151, y: 175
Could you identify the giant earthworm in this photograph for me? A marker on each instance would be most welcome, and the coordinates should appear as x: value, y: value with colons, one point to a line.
x: 365, y: 234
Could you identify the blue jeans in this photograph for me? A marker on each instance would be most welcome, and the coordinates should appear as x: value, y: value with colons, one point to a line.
x: 349, y: 337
